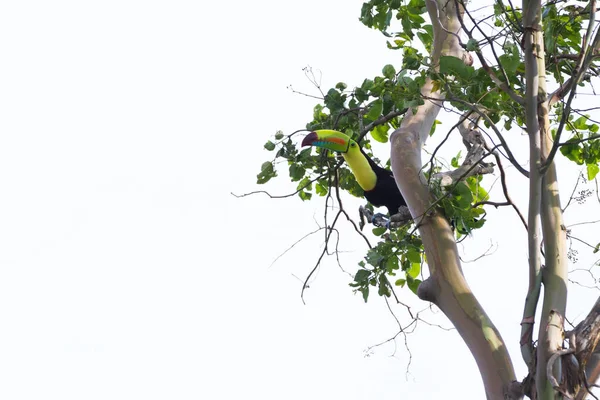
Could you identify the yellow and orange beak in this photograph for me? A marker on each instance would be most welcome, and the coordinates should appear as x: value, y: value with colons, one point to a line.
x: 328, y: 139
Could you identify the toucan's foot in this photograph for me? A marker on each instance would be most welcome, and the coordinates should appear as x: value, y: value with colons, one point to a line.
x: 378, y: 215
x: 380, y: 220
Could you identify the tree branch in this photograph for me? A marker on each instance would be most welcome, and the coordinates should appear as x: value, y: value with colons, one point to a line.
x: 446, y: 286
x: 379, y: 121
x: 531, y: 51
x: 484, y: 116
x: 504, y: 86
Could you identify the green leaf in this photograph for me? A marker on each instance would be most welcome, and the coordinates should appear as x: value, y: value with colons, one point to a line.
x: 398, y: 44
x: 296, y: 172
x: 415, y: 270
x: 389, y: 71
x: 270, y: 146
x: 580, y: 123
x: 362, y: 275
x: 375, y: 110
x: 365, y: 292
x: 455, y: 66
x: 379, y: 230
x: 407, y: 26
x: 380, y: 133
x: 384, y: 290
x: 572, y: 152
x: 391, y: 264
x: 304, y: 184
x: 304, y: 155
x: 267, y: 171
x: 400, y: 282
x: 413, y: 284
x: 592, y: 171
x: 334, y: 100
x: 305, y: 195
x: 455, y: 160
x: 435, y: 124
x: 465, y: 196
x: 413, y: 256
x: 472, y: 45
x: 321, y: 189
x: 510, y: 62
x: 373, y: 257
x: 279, y: 135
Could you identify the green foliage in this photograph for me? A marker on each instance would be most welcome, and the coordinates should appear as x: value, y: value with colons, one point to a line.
x: 389, y: 71
x: 266, y: 173
x: 457, y: 204
x: 400, y: 253
x: 270, y: 146
x: 562, y: 35
x: 455, y: 160
x: 455, y: 66
x: 511, y: 59
x: 380, y: 133
x: 378, y: 14
x: 473, y: 45
x: 584, y: 145
x: 465, y: 84
x: 561, y: 30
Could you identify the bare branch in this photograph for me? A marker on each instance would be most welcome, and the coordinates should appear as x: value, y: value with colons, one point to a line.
x: 281, y: 196
x: 484, y: 254
x: 573, y: 192
x: 303, y: 94
x: 294, y: 244
x: 329, y: 231
x: 505, y: 189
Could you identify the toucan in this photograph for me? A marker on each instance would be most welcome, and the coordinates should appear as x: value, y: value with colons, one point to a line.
x: 378, y: 183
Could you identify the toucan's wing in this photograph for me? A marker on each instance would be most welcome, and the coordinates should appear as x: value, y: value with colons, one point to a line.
x: 385, y: 193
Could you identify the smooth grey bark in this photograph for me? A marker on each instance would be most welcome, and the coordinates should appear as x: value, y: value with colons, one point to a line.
x: 446, y: 287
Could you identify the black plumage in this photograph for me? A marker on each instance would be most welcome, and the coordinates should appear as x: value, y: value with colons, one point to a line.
x: 386, y: 192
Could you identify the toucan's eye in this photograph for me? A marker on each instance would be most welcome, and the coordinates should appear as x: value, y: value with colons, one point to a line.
x: 353, y: 144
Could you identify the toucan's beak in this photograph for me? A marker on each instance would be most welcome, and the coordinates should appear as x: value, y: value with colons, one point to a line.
x: 309, y: 139
x: 328, y: 139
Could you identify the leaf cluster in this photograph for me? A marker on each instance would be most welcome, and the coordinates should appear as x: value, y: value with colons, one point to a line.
x: 398, y: 257
x: 377, y: 103
x: 584, y: 145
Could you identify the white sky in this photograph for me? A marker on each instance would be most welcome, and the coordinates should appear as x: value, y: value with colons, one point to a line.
x: 128, y: 271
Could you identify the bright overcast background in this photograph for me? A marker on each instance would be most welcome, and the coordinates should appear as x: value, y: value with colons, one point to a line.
x: 129, y: 271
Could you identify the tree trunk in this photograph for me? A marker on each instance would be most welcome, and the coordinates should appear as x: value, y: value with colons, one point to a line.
x: 446, y: 287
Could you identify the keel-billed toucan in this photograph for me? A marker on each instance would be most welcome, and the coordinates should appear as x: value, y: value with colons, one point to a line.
x: 377, y: 182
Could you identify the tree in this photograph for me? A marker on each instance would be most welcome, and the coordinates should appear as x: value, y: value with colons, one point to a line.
x: 498, y: 72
